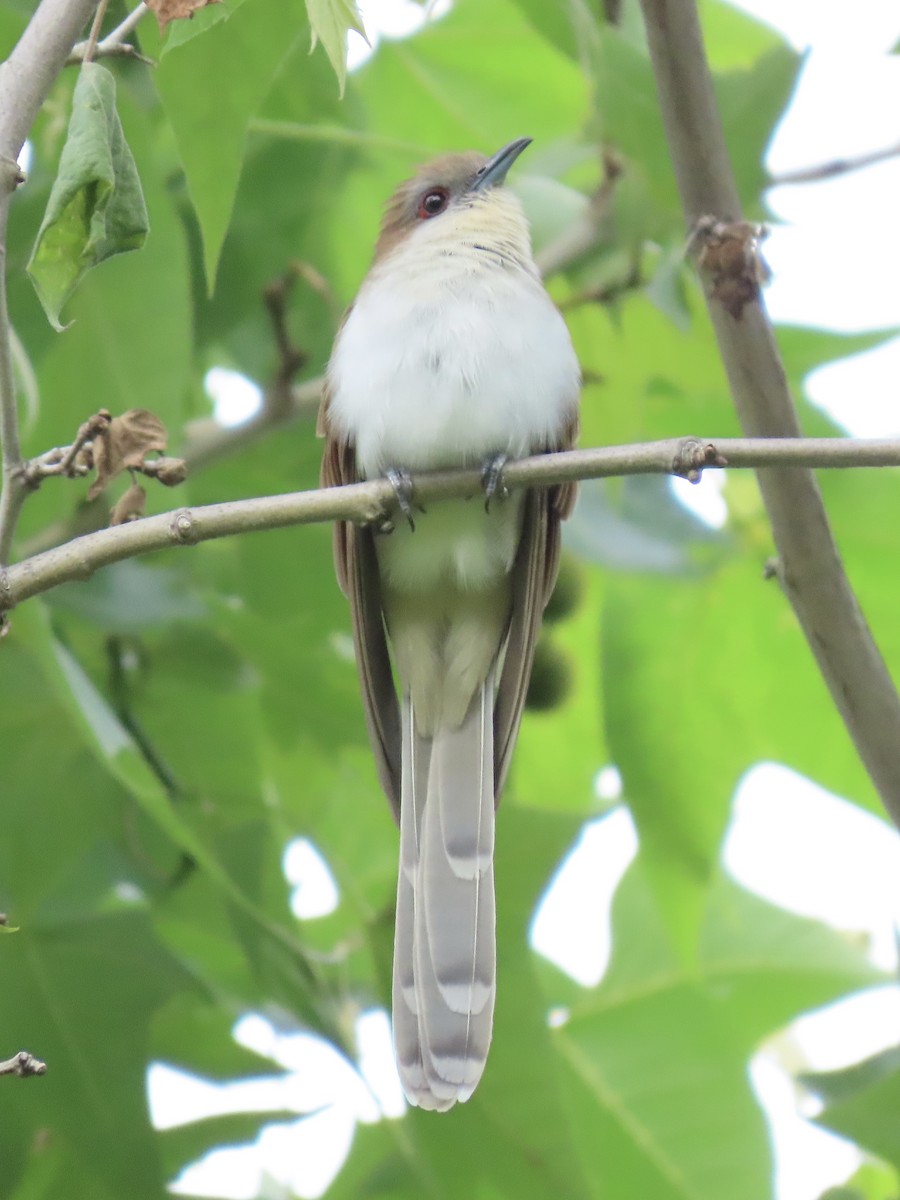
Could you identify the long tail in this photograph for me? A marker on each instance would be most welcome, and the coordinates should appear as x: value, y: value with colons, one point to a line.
x: 444, y: 945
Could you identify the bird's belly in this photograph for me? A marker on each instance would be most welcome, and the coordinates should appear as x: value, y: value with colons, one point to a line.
x: 446, y: 380
x: 455, y: 545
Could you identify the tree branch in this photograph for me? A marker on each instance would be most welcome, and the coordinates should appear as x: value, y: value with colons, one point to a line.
x: 22, y: 1064
x: 837, y: 166
x: 25, y: 81
x: 811, y: 571
x: 31, y: 69
x: 374, y: 502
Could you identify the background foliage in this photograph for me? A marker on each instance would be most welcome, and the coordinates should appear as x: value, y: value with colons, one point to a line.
x: 171, y: 724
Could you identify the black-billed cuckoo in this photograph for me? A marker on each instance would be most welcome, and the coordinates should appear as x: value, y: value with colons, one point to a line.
x: 452, y: 355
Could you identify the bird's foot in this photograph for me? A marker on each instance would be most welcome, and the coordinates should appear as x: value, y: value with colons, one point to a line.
x: 492, y: 479
x: 401, y: 481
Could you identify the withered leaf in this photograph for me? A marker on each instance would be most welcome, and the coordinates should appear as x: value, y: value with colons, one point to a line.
x: 129, y: 506
x: 176, y: 10
x: 729, y: 255
x: 125, y: 442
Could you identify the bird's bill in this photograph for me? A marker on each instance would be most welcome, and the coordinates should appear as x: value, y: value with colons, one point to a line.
x: 494, y: 170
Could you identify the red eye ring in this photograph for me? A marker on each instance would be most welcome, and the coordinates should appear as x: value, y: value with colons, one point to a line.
x: 433, y: 202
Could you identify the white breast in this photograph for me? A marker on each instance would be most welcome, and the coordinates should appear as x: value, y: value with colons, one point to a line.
x: 444, y: 361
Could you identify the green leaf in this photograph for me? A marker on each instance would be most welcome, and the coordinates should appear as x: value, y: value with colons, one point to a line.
x: 96, y: 208
x: 57, y: 980
x: 566, y: 26
x: 636, y: 524
x: 750, y: 102
x: 862, y: 1103
x: 733, y: 38
x: 669, y: 701
x: 873, y: 1181
x: 130, y: 596
x: 331, y: 20
x: 466, y: 72
x: 115, y: 747
x: 247, y: 48
x: 658, y: 1052
x: 85, y: 974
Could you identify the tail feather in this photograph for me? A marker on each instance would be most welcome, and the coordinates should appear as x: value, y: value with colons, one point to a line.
x: 444, y: 952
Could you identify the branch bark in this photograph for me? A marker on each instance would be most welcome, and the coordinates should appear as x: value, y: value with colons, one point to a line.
x: 811, y: 571
x: 374, y: 502
x: 25, y: 81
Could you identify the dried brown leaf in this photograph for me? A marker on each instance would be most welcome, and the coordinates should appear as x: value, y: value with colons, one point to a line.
x: 129, y: 507
x: 125, y: 442
x: 176, y: 10
x: 729, y: 254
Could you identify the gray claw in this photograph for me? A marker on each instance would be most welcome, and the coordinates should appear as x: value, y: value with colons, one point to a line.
x: 401, y: 482
x: 492, y: 479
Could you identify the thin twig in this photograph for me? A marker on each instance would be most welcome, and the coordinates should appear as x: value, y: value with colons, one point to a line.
x: 811, y: 570
x: 278, y: 398
x: 23, y: 1064
x: 837, y: 166
x: 91, y: 46
x: 115, y: 43
x: 374, y: 502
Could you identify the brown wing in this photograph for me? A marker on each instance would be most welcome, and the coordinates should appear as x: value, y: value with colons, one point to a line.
x: 357, y: 572
x: 534, y: 575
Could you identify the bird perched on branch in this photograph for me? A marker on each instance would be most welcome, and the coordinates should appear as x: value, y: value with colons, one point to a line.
x: 452, y: 355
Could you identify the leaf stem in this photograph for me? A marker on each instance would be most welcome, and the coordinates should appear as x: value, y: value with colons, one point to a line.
x: 91, y: 46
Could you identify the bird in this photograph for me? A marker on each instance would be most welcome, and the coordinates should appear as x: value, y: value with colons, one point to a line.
x: 452, y: 355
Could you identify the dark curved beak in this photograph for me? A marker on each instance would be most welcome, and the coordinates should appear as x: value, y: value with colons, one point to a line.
x: 494, y: 170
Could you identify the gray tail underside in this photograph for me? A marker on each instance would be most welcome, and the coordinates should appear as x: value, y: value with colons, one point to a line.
x: 444, y: 945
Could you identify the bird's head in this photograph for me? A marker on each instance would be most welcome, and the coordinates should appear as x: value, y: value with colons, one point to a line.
x: 457, y: 198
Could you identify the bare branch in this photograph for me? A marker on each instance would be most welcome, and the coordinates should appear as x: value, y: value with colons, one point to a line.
x: 837, y: 166
x: 374, y: 502
x: 22, y: 1064
x: 811, y: 574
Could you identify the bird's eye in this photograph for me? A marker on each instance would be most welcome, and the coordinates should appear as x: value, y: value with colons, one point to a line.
x: 433, y: 202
